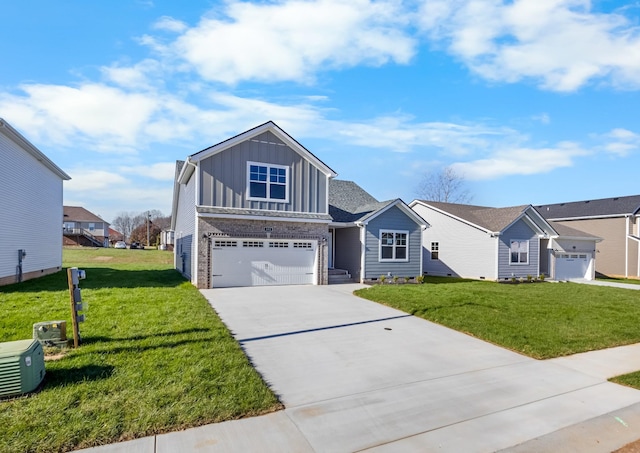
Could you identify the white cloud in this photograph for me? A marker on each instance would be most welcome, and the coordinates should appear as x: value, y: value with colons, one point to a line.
x: 160, y: 171
x: 520, y: 161
x: 86, y: 179
x: 620, y: 142
x: 142, y: 75
x: 109, y: 118
x: 562, y: 44
x: 400, y: 133
x: 170, y: 24
x: 293, y: 40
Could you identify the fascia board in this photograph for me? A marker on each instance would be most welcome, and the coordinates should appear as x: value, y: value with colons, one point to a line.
x: 610, y: 216
x: 403, y: 207
x: 16, y: 137
x: 459, y: 219
x: 248, y: 135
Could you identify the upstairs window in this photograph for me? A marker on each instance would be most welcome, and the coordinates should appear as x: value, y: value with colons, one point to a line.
x: 519, y: 251
x: 267, y: 182
x: 394, y: 245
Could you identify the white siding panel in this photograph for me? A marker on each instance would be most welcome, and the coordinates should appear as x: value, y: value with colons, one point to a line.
x: 31, y: 207
x: 465, y: 251
x: 185, y: 228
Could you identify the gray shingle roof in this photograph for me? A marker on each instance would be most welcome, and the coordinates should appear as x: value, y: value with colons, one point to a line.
x: 348, y: 202
x: 603, y: 207
x: 79, y: 214
x: 491, y: 219
x: 568, y: 232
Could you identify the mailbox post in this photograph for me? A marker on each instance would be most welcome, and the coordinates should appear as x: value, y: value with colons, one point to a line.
x: 74, y: 275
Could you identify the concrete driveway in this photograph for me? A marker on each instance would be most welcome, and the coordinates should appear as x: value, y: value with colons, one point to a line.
x: 355, y: 375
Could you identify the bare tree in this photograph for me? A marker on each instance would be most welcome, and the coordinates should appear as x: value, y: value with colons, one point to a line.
x: 445, y: 186
x: 124, y: 224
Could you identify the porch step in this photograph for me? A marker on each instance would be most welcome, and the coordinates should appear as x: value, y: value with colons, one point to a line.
x: 337, y: 276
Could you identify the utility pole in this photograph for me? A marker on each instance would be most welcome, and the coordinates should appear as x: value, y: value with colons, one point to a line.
x: 148, y: 222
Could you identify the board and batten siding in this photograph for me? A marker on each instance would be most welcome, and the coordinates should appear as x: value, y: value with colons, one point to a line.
x: 224, y: 177
x: 518, y: 231
x: 185, y: 229
x: 392, y: 219
x: 465, y: 251
x: 31, y: 209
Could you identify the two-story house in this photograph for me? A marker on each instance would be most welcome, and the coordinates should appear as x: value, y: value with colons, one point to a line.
x: 255, y: 210
x: 31, y: 205
x: 82, y: 227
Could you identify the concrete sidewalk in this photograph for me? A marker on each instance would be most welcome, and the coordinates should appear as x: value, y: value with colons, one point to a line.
x: 355, y: 375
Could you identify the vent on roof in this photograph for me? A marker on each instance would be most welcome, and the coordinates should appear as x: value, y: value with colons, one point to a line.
x: 616, y: 199
x: 588, y: 201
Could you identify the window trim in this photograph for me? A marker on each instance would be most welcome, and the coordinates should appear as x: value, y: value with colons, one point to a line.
x: 528, y: 252
x: 268, y: 183
x: 435, y: 248
x: 394, y: 247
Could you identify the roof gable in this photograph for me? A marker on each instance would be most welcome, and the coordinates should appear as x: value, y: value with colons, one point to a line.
x: 80, y: 214
x: 8, y: 131
x: 604, y: 207
x: 269, y: 126
x: 491, y: 220
x: 349, y: 203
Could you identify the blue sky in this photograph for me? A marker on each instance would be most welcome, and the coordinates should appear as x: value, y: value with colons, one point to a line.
x: 532, y: 101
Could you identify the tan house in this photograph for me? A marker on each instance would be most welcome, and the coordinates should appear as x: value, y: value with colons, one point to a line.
x: 615, y: 220
x: 82, y: 227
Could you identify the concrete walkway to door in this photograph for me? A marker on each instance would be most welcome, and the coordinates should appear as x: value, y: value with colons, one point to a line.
x: 355, y: 375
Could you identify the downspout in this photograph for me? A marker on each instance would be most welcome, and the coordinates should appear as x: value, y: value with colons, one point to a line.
x: 363, y: 235
x: 196, y: 233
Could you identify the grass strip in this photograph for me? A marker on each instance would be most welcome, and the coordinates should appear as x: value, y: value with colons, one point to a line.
x: 154, y: 357
x: 541, y: 320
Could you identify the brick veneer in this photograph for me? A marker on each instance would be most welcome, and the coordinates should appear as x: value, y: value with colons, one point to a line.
x: 210, y: 228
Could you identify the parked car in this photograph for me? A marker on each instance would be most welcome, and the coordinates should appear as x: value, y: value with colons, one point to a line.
x: 135, y: 245
x: 120, y: 245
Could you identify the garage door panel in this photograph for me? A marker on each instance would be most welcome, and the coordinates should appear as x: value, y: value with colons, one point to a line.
x: 263, y: 262
x: 570, y: 266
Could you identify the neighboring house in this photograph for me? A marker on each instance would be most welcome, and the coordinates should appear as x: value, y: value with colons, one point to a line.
x: 254, y: 210
x: 115, y: 236
x: 369, y: 238
x: 616, y: 220
x: 31, y: 203
x: 82, y: 227
x: 502, y: 243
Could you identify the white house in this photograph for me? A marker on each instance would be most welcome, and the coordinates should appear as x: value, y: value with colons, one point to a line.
x: 31, y: 206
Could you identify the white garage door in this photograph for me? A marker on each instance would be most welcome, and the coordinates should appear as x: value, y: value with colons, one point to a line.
x: 260, y: 262
x: 574, y: 265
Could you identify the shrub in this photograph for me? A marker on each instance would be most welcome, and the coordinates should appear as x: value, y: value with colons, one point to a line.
x: 383, y: 278
x: 420, y: 279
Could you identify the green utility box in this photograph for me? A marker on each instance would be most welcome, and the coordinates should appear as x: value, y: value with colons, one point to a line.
x: 51, y: 333
x: 21, y: 367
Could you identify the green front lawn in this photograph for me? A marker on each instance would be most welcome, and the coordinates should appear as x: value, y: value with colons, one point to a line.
x: 541, y: 320
x: 631, y: 281
x: 155, y: 357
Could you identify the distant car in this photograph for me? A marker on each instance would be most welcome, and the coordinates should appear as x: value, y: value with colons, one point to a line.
x: 135, y: 245
x: 120, y: 245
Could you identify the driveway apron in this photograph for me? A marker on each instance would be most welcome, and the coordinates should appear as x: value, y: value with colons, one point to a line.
x: 355, y: 375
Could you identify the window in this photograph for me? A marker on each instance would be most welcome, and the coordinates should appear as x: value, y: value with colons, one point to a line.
x: 519, y: 252
x: 252, y: 244
x: 92, y: 227
x: 267, y: 182
x: 225, y: 244
x: 393, y: 245
x: 435, y: 248
x: 278, y: 245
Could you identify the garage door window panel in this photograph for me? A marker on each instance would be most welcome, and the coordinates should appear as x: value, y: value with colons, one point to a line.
x: 267, y: 182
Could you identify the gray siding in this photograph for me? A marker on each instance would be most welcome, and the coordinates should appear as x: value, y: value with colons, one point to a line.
x: 185, y: 228
x: 519, y: 230
x: 392, y: 219
x: 31, y: 206
x: 224, y: 177
x: 348, y: 251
